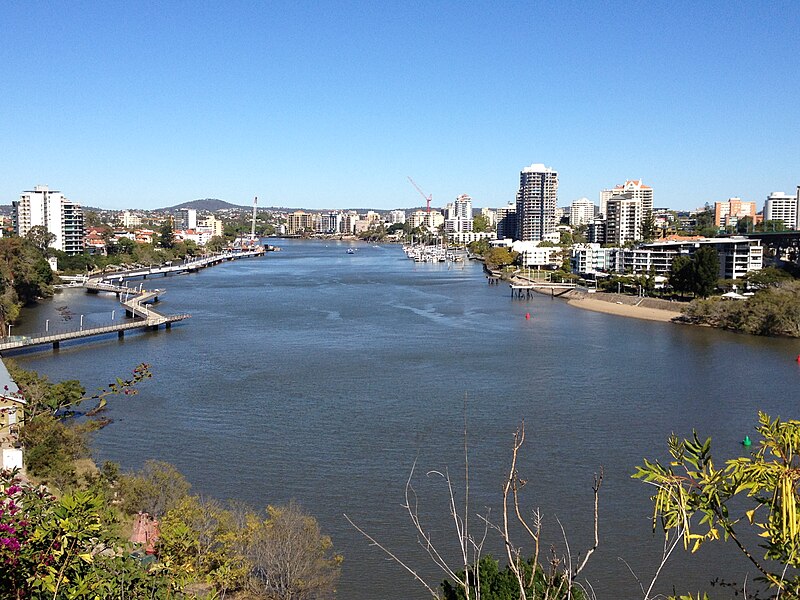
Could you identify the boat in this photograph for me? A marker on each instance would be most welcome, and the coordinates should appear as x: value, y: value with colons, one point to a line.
x: 351, y: 250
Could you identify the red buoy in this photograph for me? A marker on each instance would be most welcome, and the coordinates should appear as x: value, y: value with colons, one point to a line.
x: 528, y: 316
x: 798, y: 358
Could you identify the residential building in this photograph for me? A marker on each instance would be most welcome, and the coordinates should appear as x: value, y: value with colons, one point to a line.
x: 591, y: 258
x: 397, y: 216
x: 596, y: 231
x: 531, y: 254
x: 581, y: 212
x: 506, y: 224
x: 536, y: 202
x: 730, y: 212
x: 130, y: 220
x: 430, y: 220
x: 782, y: 207
x: 637, y: 191
x: 43, y: 207
x: 623, y: 219
x: 459, y: 215
x: 211, y: 223
x: 186, y: 219
x: 737, y: 256
x: 298, y: 222
x: 490, y: 215
x: 467, y: 237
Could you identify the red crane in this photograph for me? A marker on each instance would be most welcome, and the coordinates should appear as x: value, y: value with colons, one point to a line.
x: 428, y: 198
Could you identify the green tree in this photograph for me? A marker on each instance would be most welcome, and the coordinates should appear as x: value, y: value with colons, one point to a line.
x: 166, y: 235
x: 705, y: 271
x: 480, y: 224
x: 156, y: 489
x: 216, y: 244
x: 680, y: 274
x: 648, y: 227
x: 756, y: 494
x: 40, y: 237
x: 497, y: 258
x: 493, y: 583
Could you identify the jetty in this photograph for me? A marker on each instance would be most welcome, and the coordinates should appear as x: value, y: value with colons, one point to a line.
x: 137, y: 302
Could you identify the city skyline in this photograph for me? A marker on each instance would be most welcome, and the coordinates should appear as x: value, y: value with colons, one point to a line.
x: 148, y: 106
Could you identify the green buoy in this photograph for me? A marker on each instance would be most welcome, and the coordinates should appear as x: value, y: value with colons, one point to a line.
x: 746, y: 441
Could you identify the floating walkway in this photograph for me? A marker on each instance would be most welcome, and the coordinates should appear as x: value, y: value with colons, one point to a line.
x: 136, y: 302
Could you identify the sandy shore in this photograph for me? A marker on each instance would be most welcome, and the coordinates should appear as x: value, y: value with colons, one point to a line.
x: 624, y: 310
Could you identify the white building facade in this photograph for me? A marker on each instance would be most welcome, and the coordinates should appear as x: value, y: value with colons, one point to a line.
x: 782, y: 207
x: 43, y: 207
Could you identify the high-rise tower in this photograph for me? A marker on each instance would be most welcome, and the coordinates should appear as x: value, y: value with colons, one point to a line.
x: 536, y: 202
x: 50, y: 209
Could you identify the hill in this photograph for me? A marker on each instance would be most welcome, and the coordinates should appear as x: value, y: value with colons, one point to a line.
x: 208, y: 204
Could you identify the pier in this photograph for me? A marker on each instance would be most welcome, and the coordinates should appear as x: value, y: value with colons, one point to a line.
x: 526, y: 290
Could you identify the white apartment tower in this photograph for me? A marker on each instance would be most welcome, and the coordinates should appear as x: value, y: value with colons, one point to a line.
x: 536, y: 202
x: 49, y: 208
x: 581, y: 212
x: 459, y: 215
x: 782, y: 207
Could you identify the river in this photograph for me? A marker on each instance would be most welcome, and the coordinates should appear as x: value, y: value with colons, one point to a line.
x: 321, y: 376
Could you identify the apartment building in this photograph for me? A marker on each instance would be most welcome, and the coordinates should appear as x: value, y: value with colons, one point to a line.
x: 581, y: 212
x: 729, y: 213
x: 43, y: 207
x: 536, y: 202
x: 782, y: 207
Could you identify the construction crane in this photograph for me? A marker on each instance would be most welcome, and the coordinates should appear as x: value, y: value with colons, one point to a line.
x: 428, y: 198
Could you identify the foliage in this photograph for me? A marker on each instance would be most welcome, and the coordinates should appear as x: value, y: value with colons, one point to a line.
x: 156, y: 489
x: 492, y: 583
x: 289, y: 557
x: 479, y: 247
x: 759, y: 492
x: 704, y: 222
x: 40, y: 237
x: 497, y: 258
x: 25, y: 276
x: 52, y: 440
x: 480, y: 224
x: 769, y: 276
x: 698, y: 273
x: 60, y: 549
x: 648, y: 227
x: 166, y: 235
x: 705, y: 271
x: 771, y: 311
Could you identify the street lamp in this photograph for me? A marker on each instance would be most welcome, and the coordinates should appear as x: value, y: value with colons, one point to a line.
x: 47, y: 325
x: 81, y: 322
x: 112, y: 314
x: 9, y: 329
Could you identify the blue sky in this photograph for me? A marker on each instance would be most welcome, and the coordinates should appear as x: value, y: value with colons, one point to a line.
x: 322, y: 104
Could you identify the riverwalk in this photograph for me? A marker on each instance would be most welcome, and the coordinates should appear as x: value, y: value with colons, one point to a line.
x: 137, y: 302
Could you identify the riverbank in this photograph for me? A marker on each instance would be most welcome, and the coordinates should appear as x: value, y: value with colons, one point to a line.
x: 606, y: 303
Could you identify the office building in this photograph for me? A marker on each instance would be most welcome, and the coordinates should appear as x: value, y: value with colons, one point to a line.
x: 459, y: 215
x: 536, y: 202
